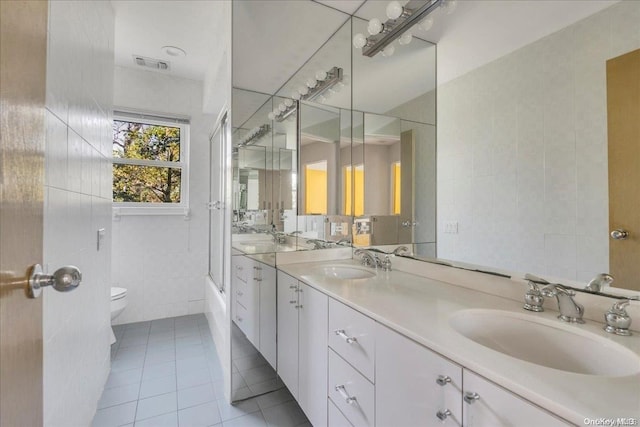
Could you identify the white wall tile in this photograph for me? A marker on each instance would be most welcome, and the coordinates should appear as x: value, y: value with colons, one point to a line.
x: 76, y: 323
x: 162, y: 261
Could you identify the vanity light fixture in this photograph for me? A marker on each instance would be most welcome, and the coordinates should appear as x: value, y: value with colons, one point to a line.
x: 397, y: 26
x: 315, y: 87
x: 254, y: 135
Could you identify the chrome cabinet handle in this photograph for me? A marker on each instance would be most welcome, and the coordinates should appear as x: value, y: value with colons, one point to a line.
x: 64, y: 279
x: 619, y: 234
x: 299, y: 306
x: 293, y: 301
x: 293, y: 287
x: 341, y: 333
x: 443, y: 415
x: 239, y: 293
x: 470, y: 397
x: 239, y: 319
x: 349, y: 399
x: 443, y: 380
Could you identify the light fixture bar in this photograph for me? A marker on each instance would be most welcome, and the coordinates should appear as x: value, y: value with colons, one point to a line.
x: 414, y: 12
x: 334, y: 76
x: 254, y: 135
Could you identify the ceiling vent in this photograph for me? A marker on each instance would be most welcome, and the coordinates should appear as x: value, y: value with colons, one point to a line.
x: 152, y: 63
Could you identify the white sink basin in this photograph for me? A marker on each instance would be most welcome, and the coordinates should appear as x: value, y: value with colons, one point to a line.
x: 546, y: 342
x: 347, y: 272
x: 257, y: 246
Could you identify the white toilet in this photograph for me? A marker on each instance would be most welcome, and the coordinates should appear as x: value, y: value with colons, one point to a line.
x: 118, y: 304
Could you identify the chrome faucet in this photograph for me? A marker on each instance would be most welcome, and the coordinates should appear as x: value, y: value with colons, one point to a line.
x: 570, y: 311
x: 343, y: 240
x: 617, y: 318
x: 317, y: 244
x: 400, y: 250
x: 368, y: 260
x: 597, y: 283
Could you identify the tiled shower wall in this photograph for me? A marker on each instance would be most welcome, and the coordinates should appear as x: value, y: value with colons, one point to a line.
x: 522, y: 152
x: 162, y: 260
x: 77, y: 203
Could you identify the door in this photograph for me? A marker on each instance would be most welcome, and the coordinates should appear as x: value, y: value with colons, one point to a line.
x: 287, y: 320
x: 23, y: 43
x: 488, y: 405
x: 313, y: 361
x: 216, y: 206
x: 623, y: 110
x: 414, y: 383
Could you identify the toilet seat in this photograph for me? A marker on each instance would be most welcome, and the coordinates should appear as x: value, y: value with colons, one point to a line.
x: 118, y: 293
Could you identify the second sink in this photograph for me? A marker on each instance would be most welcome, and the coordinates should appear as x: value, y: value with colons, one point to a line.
x: 347, y: 272
x: 545, y: 342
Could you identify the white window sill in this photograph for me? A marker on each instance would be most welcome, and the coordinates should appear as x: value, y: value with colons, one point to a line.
x: 120, y: 211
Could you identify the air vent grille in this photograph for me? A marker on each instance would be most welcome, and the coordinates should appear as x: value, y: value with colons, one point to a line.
x: 152, y: 63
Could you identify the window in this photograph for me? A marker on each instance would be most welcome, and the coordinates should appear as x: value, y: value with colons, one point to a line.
x: 150, y: 164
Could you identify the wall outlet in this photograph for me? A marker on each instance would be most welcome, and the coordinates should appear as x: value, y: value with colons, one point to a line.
x: 451, y: 227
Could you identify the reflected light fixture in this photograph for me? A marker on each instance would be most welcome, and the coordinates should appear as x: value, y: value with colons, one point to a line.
x: 318, y: 87
x: 396, y: 27
x: 254, y: 135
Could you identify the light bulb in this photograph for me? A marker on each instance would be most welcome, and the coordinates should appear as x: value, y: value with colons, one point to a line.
x: 405, y: 38
x: 321, y: 75
x: 388, y: 51
x: 359, y: 41
x: 303, y: 90
x: 374, y: 27
x: 394, y: 10
x: 282, y: 108
x: 449, y: 6
x: 288, y: 102
x: 426, y: 23
x: 295, y: 95
x: 311, y: 82
x: 271, y: 116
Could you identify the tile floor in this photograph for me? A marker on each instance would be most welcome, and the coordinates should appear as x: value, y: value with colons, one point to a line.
x: 166, y: 373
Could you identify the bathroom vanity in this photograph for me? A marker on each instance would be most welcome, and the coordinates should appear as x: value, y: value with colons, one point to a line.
x: 389, y: 350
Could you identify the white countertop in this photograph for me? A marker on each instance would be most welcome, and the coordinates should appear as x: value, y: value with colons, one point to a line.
x: 420, y: 308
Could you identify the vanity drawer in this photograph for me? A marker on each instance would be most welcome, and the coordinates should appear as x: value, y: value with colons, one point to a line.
x: 336, y: 418
x: 351, y: 392
x: 345, y: 324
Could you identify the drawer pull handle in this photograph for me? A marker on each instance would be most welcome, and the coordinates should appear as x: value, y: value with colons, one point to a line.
x: 293, y: 287
x: 341, y: 333
x: 299, y: 306
x: 239, y: 319
x: 293, y: 301
x: 257, y: 280
x: 443, y: 380
x: 443, y: 415
x: 349, y: 399
x: 239, y: 293
x: 470, y: 397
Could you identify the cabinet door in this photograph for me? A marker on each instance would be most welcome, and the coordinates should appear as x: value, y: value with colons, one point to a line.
x: 495, y: 407
x: 287, y: 322
x: 313, y: 363
x: 268, y: 314
x: 407, y: 389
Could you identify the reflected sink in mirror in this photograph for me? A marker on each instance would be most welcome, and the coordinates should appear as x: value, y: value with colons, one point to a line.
x: 545, y: 342
x: 346, y: 272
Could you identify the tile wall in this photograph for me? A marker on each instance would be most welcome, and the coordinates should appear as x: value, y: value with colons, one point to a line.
x: 162, y: 260
x: 77, y: 203
x: 522, y: 152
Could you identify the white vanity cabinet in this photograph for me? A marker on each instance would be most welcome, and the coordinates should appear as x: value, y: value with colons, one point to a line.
x: 254, y: 304
x: 489, y: 405
x: 414, y: 384
x: 303, y: 315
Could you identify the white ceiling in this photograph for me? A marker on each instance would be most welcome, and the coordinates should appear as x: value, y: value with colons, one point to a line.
x: 273, y: 39
x: 142, y: 27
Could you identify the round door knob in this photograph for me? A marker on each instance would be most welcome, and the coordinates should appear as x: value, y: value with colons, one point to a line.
x: 64, y: 279
x: 619, y: 234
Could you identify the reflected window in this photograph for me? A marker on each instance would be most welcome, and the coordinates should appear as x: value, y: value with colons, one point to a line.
x: 315, y: 183
x: 354, y: 190
x: 396, y: 185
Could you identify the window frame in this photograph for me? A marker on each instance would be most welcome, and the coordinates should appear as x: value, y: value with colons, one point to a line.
x: 123, y: 208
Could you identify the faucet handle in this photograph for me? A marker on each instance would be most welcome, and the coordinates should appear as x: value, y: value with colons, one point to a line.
x: 617, y: 319
x: 533, y: 299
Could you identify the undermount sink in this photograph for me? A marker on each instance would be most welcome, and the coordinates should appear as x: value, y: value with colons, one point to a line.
x: 545, y: 342
x: 347, y: 272
x: 257, y: 246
